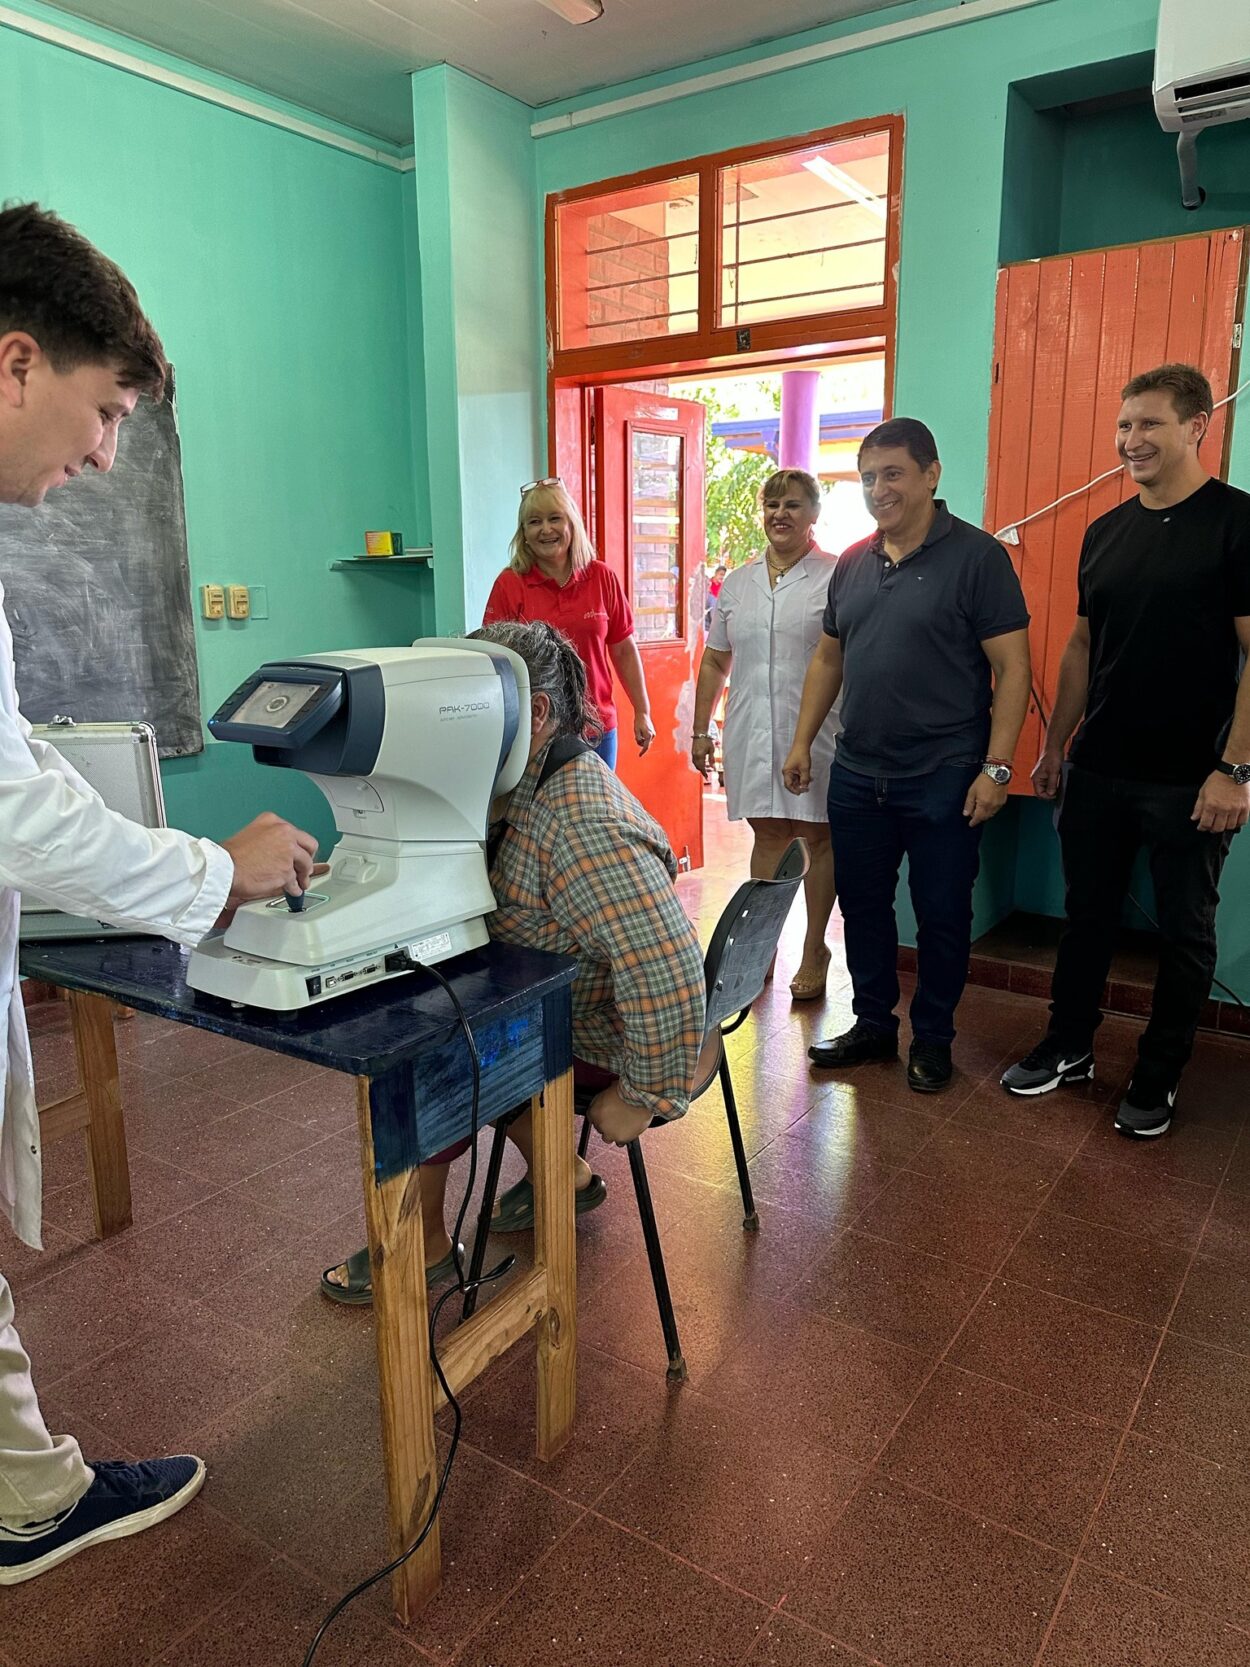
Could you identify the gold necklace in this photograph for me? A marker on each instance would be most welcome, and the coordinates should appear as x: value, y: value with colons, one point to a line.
x: 774, y: 568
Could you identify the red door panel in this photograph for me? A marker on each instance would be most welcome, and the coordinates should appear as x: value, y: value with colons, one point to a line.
x: 648, y: 500
x: 1069, y: 332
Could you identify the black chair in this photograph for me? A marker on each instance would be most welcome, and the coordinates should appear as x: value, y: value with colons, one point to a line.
x: 735, y: 969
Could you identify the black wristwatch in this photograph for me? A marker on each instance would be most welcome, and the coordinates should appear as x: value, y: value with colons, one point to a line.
x: 1239, y: 772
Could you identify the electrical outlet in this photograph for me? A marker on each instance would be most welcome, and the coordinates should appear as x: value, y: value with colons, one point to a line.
x: 212, y: 602
x: 238, y: 605
x: 260, y: 601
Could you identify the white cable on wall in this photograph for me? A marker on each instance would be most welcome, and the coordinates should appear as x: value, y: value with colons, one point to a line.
x: 1010, y: 534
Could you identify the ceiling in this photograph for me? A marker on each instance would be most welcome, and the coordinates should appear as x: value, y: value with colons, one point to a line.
x: 349, y: 59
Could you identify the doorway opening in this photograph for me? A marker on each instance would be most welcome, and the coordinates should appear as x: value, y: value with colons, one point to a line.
x: 669, y: 470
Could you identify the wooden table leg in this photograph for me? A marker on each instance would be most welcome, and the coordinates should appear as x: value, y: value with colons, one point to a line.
x: 405, y: 1379
x: 106, y: 1129
x: 555, y: 1251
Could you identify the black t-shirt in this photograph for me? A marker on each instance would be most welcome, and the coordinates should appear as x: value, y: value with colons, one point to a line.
x: 916, y: 685
x: 1161, y: 588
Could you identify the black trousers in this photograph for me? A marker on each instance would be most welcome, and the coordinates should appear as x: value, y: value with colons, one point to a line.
x: 1103, y: 823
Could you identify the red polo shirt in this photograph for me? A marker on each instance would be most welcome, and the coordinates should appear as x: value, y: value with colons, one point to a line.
x: 591, y: 610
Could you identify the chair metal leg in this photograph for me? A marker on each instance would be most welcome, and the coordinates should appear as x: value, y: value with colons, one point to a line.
x: 750, y: 1219
x: 655, y: 1256
x: 583, y: 1139
x: 491, y: 1187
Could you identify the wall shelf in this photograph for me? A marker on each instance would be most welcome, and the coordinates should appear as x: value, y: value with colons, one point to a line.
x: 410, y: 558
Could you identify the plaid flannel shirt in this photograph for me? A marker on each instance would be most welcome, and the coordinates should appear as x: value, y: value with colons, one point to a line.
x: 582, y: 870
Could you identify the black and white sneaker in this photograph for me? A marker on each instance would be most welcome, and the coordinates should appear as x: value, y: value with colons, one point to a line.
x: 1146, y: 1109
x: 123, y: 1499
x: 1048, y: 1067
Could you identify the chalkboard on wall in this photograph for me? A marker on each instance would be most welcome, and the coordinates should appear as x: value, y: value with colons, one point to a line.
x: 97, y: 590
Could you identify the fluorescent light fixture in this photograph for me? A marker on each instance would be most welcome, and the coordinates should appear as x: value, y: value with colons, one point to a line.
x: 575, y: 11
x: 842, y: 181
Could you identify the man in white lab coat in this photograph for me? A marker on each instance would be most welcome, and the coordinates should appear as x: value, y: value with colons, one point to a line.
x: 76, y: 353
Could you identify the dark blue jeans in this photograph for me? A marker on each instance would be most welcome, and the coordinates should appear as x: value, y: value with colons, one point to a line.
x: 874, y: 824
x: 606, y: 748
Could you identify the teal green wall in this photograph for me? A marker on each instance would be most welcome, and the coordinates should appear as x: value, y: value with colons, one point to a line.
x: 273, y: 267
x: 1128, y: 151
x: 484, y: 391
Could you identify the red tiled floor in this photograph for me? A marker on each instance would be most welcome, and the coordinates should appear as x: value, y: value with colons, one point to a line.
x: 604, y: 1598
x: 495, y: 1525
x: 789, y: 1643
x: 1199, y: 1398
x: 1117, y: 1625
x: 619, y: 1406
x: 968, y: 1221
x: 910, y: 1581
x: 1135, y: 1198
x: 1215, y: 1306
x: 900, y: 1294
x: 270, y: 1621
x: 1001, y: 1454
x: 120, y: 1605
x: 845, y: 1389
x: 1178, y: 1525
x: 1078, y: 1357
x: 1099, y: 1266
x: 1227, y: 1237
x: 687, y: 1492
x: 963, y: 1294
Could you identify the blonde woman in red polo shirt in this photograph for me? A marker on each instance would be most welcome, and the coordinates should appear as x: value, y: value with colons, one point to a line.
x: 553, y: 576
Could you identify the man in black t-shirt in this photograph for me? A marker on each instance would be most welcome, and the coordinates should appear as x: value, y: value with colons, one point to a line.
x: 1162, y: 760
x: 926, y: 637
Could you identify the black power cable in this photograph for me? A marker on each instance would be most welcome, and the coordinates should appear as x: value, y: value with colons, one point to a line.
x: 461, y: 1288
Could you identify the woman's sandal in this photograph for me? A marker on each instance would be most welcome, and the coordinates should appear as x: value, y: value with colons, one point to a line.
x: 516, y: 1206
x: 358, y: 1292
x: 807, y: 986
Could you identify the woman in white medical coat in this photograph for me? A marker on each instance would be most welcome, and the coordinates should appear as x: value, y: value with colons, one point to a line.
x: 766, y: 626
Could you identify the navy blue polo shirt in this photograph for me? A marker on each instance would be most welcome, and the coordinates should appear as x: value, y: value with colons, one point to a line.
x: 916, y: 685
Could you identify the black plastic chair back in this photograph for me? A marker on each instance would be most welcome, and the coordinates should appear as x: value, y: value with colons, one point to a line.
x: 746, y: 936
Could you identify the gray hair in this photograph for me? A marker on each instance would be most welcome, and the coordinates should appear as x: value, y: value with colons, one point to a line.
x: 555, y: 671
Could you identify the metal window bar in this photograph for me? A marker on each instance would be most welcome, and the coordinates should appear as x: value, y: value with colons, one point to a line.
x: 799, y: 254
x: 644, y: 318
x: 650, y: 242
x: 784, y: 214
x: 808, y: 294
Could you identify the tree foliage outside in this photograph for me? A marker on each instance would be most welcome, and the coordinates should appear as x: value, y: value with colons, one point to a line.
x: 734, y: 479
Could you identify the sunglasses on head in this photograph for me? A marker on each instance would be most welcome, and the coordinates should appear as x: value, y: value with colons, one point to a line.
x: 550, y: 480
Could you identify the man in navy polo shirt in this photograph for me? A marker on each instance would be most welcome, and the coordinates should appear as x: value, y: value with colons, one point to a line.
x: 926, y: 637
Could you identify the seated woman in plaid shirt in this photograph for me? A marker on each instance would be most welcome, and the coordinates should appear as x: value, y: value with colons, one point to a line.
x: 581, y: 869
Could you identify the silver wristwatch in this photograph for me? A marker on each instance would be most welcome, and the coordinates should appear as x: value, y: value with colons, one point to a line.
x: 999, y: 774
x: 1239, y: 772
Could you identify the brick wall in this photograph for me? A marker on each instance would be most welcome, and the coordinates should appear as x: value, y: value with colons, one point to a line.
x: 618, y: 252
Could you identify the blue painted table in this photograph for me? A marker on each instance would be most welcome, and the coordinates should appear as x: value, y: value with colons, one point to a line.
x: 403, y: 1044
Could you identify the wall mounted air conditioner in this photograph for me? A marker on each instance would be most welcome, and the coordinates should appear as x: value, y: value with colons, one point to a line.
x: 1202, y: 75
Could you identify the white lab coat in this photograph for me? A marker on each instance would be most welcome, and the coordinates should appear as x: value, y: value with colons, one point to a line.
x: 772, y: 632
x: 60, y: 841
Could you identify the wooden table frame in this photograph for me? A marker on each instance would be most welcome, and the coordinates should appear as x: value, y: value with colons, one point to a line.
x: 387, y: 1108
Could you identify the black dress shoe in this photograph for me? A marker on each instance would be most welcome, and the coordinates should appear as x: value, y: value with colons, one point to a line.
x: 855, y: 1047
x: 929, y: 1067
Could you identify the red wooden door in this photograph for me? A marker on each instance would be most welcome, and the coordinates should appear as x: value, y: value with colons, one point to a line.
x: 648, y: 508
x: 1069, y: 333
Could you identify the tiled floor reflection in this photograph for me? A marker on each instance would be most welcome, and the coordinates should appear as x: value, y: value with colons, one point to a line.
x: 974, y: 1396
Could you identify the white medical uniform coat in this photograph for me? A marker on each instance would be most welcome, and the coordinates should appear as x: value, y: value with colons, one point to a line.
x: 772, y: 632
x: 60, y: 841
